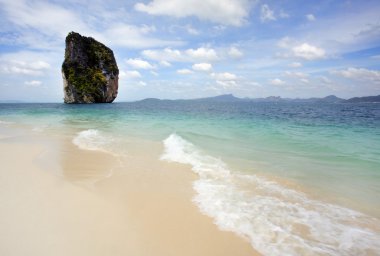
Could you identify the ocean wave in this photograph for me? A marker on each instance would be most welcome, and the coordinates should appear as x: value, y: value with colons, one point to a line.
x: 277, y: 220
x: 92, y: 139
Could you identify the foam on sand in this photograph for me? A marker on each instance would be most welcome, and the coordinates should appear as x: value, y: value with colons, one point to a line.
x: 92, y: 139
x: 277, y: 220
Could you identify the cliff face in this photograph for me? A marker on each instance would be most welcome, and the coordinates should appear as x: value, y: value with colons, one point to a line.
x: 90, y: 73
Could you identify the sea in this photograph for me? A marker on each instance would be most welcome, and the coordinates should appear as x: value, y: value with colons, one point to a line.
x: 292, y: 178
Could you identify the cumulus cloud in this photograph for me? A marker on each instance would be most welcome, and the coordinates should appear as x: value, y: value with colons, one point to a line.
x: 202, y: 67
x: 184, y: 71
x: 310, y: 17
x: 130, y: 74
x: 226, y: 84
x: 296, y: 74
x: 359, y: 74
x: 308, y: 52
x: 225, y: 79
x: 226, y: 12
x: 35, y: 68
x: 235, y: 53
x: 202, y: 53
x: 164, y: 56
x: 139, y: 64
x: 300, y: 50
x: 165, y: 63
x: 173, y: 55
x: 266, y: 14
x: 277, y: 82
x: 226, y: 76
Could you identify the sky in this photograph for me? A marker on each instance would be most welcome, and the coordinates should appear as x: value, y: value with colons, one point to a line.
x: 177, y: 49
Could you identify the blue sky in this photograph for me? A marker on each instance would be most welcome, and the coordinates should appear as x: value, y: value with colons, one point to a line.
x: 188, y: 49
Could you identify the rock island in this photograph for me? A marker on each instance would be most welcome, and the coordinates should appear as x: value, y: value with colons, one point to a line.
x: 90, y: 73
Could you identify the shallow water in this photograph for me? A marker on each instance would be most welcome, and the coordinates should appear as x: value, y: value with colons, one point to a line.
x: 298, y: 179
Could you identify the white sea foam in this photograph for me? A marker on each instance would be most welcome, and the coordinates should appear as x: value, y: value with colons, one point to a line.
x: 277, y: 220
x: 91, y: 139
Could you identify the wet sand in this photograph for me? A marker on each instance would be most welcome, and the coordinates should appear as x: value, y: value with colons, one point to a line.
x: 56, y: 199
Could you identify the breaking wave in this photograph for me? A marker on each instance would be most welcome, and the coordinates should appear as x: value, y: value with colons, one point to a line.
x: 277, y: 220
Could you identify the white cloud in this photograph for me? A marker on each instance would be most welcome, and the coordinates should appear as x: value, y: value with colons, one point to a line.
x: 184, y: 71
x: 226, y: 76
x: 266, y: 14
x: 235, y: 53
x: 227, y: 84
x: 142, y: 83
x: 347, y: 31
x: 130, y: 74
x: 227, y: 12
x: 164, y: 55
x: 202, y: 53
x: 136, y: 36
x: 308, y: 52
x: 139, y: 64
x: 44, y: 25
x: 277, y: 82
x: 296, y: 74
x: 35, y: 68
x: 33, y: 83
x: 47, y: 18
x: 295, y: 65
x: 300, y: 50
x: 192, y: 31
x: 310, y: 17
x: 375, y: 57
x: 225, y: 79
x: 202, y: 67
x: 165, y: 63
x: 154, y: 73
x: 359, y: 74
x: 173, y: 55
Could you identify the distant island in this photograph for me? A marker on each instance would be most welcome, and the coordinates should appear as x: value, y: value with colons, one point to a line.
x: 327, y: 99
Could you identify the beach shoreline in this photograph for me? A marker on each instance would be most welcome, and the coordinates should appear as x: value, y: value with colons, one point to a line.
x: 62, y: 200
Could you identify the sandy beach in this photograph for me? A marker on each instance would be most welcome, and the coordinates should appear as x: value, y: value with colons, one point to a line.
x: 56, y: 199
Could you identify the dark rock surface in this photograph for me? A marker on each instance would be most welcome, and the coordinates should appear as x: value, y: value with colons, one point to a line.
x: 90, y: 73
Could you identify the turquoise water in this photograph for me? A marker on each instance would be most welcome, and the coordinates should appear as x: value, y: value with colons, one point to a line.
x: 266, y: 170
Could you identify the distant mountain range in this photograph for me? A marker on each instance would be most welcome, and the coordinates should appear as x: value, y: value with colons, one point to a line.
x: 327, y: 99
x: 371, y: 99
x: 232, y: 98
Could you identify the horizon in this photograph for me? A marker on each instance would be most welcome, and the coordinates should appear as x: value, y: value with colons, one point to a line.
x: 179, y: 99
x: 171, y: 49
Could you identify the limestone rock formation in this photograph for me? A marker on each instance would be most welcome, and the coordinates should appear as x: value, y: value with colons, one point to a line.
x: 90, y: 73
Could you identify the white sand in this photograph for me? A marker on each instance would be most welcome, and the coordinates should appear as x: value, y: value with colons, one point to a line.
x: 56, y: 199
